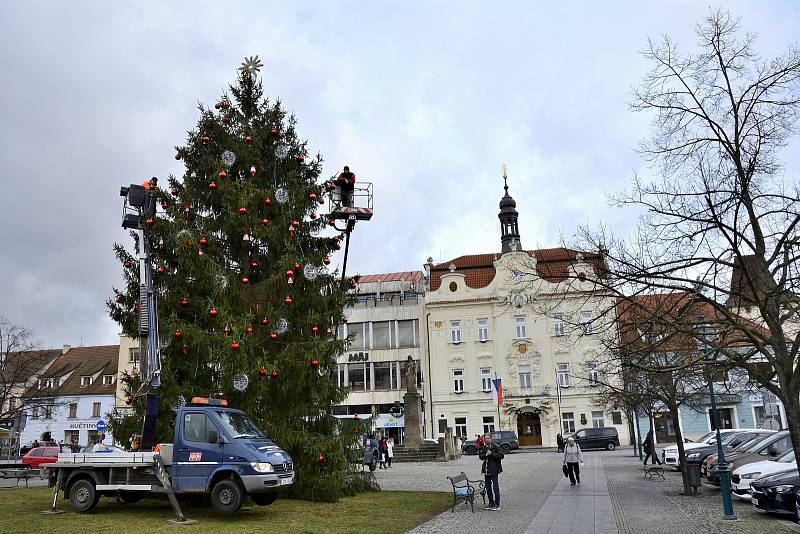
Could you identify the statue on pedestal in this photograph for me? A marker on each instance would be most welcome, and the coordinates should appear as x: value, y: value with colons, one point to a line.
x: 411, y: 375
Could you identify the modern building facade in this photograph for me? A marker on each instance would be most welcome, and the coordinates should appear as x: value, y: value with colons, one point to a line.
x: 384, y: 324
x: 527, y: 318
x: 80, y: 385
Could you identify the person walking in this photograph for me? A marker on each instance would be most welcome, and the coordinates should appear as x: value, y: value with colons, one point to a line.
x: 383, y: 450
x: 560, y: 442
x: 492, y: 467
x: 389, y: 451
x: 649, y: 447
x: 573, y: 459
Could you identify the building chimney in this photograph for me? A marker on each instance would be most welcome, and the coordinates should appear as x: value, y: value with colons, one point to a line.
x: 65, y: 349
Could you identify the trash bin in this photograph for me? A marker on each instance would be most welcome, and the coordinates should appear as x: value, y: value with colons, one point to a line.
x: 693, y: 475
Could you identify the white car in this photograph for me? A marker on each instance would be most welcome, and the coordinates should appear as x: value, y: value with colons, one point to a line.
x: 669, y: 454
x: 745, y: 475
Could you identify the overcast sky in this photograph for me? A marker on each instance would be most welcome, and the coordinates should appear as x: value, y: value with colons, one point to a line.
x: 425, y: 99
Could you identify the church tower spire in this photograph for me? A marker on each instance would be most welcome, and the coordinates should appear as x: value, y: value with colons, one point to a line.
x: 509, y: 229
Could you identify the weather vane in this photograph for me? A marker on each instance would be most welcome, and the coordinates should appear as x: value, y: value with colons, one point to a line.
x: 251, y: 65
x: 505, y: 176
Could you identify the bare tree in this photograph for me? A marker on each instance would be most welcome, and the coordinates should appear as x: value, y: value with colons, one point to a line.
x: 720, y: 224
x: 21, y: 361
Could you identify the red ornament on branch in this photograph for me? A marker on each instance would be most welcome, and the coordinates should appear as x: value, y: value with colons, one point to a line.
x: 313, y: 215
x: 314, y: 363
x: 326, y: 261
x: 332, y: 222
x: 252, y: 170
x: 315, y: 329
x: 321, y: 458
x: 254, y: 264
x: 234, y: 346
x: 164, y: 205
x: 245, y: 280
x: 249, y: 329
x: 160, y: 269
x: 119, y: 298
x: 301, y: 158
x: 149, y: 221
x: 275, y: 373
x: 267, y: 202
x: 262, y: 372
x: 177, y: 334
x: 173, y: 191
x: 274, y: 131
x: 217, y: 105
x: 126, y: 377
x: 222, y: 174
x: 297, y: 266
x: 212, y: 185
x: 264, y: 222
x: 273, y: 336
x: 203, y: 241
x: 126, y: 264
x: 184, y: 302
x: 357, y: 430
x: 205, y: 139
x: 213, y: 312
x: 287, y: 300
x: 242, y: 210
x: 248, y: 139
x: 289, y: 274
x: 312, y: 196
x: 296, y: 224
x: 265, y: 321
x: 178, y: 156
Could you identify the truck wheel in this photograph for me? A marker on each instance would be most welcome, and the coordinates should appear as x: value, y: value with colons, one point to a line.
x: 505, y: 448
x: 264, y: 499
x: 83, y: 495
x: 471, y: 449
x: 610, y: 446
x: 227, y: 496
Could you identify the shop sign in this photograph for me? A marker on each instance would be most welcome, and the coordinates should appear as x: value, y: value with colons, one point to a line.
x: 88, y: 424
x: 386, y: 420
x: 358, y: 357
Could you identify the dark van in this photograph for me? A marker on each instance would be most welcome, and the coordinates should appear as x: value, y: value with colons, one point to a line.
x: 597, y: 438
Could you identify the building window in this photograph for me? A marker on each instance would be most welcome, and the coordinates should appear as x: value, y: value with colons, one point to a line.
x: 488, y: 424
x: 355, y: 377
x: 616, y: 418
x: 357, y: 330
x: 568, y: 422
x: 525, y: 377
x: 458, y: 380
x: 407, y: 334
x: 47, y: 412
x: 461, y: 427
x: 598, y: 421
x: 591, y: 369
x: 383, y: 375
x: 586, y: 322
x: 381, y: 335
x: 73, y: 410
x: 86, y: 381
x: 486, y: 378
x: 522, y: 331
x: 563, y: 375
x: 483, y: 330
x: 108, y: 380
x: 35, y: 412
x: 455, y: 331
x: 558, y: 324
x: 96, y: 409
x: 133, y: 355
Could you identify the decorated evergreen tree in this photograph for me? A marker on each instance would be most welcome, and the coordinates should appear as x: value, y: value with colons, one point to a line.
x: 246, y: 304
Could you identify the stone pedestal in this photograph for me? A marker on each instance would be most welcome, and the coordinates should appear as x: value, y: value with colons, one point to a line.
x: 413, y: 420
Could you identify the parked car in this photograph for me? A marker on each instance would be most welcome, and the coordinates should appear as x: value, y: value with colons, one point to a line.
x: 597, y: 438
x: 371, y: 451
x: 505, y: 439
x: 669, y: 454
x: 768, y: 448
x: 711, y: 459
x: 743, y: 476
x: 40, y: 455
x: 729, y: 442
x: 776, y: 493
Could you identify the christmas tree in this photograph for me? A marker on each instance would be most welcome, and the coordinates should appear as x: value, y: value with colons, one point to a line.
x: 247, y: 306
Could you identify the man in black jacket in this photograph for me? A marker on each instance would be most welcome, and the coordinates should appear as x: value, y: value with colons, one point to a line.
x: 650, y: 449
x: 491, y: 469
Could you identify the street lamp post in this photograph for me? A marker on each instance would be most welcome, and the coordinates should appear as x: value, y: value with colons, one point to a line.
x: 722, y: 466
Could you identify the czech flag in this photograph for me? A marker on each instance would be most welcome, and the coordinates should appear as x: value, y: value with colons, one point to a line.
x: 497, y: 392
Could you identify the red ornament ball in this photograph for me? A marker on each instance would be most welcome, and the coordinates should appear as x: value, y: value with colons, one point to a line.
x: 274, y: 131
x: 249, y: 329
x: 287, y: 300
x: 296, y: 224
x: 321, y: 458
x: 222, y: 174
x: 264, y: 222
x: 248, y: 139
x: 234, y: 346
x: 312, y: 196
x: 326, y: 261
x: 315, y: 329
x: 212, y: 185
x: 213, y: 312
x: 173, y: 191
x: 217, y: 105
x: 177, y: 156
x: 184, y: 302
x: 177, y: 333
x: 267, y: 202
x: 301, y: 158
x: 273, y: 336
x: 126, y: 264
x: 338, y: 246
x: 265, y: 321
x: 164, y: 205
x: 275, y: 373
x: 332, y: 222
x: 314, y: 363
x: 203, y: 241
x: 119, y: 298
x: 149, y: 221
x: 254, y: 264
x: 290, y: 274
x: 205, y: 139
x: 245, y: 280
x: 126, y: 377
x: 242, y: 210
x: 262, y: 372
x: 297, y: 266
x: 160, y: 269
x: 313, y: 215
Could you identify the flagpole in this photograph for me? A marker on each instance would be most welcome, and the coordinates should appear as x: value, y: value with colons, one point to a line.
x: 558, y: 402
x: 499, y: 394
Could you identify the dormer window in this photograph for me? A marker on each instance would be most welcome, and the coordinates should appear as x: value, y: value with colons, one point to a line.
x: 108, y: 380
x: 86, y: 381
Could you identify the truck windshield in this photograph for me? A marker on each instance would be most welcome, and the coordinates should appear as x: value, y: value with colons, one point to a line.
x: 239, y: 425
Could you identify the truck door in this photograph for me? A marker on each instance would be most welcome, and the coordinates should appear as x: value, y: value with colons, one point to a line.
x: 196, y: 458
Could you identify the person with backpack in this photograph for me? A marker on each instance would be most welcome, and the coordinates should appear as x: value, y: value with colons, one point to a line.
x: 573, y: 459
x: 649, y: 447
x: 492, y: 467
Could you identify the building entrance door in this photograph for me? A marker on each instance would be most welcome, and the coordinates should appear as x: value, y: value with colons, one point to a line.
x: 529, y: 429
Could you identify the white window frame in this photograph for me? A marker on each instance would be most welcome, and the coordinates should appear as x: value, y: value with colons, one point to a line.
x: 520, y: 327
x: 108, y: 380
x: 598, y: 422
x: 592, y: 374
x: 562, y: 374
x: 134, y: 355
x: 460, y: 428
x: 483, y: 330
x: 458, y: 380
x: 488, y: 427
x: 586, y: 322
x: 525, y: 377
x: 455, y: 331
x: 486, y: 379
x: 72, y: 414
x: 98, y: 412
x: 568, y: 423
x: 558, y: 325
x: 86, y: 380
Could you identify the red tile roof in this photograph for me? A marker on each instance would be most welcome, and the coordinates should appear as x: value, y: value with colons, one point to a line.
x: 83, y: 361
x: 407, y: 276
x: 552, y: 264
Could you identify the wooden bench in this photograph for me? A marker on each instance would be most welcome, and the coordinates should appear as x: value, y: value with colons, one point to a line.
x: 24, y: 473
x: 464, y: 489
x: 651, y: 471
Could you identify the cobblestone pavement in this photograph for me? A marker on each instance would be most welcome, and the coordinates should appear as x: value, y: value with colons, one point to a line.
x: 614, y: 498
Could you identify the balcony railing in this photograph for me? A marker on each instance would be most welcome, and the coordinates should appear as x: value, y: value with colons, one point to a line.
x: 534, y: 391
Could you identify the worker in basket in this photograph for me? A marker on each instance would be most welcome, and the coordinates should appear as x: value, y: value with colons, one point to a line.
x: 346, y: 182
